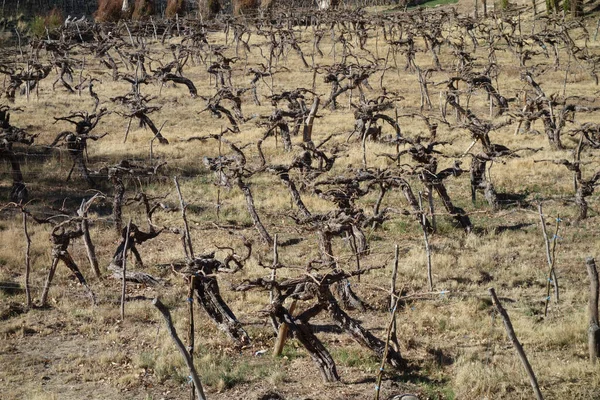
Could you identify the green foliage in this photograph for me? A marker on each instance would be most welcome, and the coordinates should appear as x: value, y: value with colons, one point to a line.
x: 435, y: 392
x: 290, y: 350
x: 222, y: 371
x: 504, y: 4
x: 398, y: 226
x: 355, y: 357
x: 39, y: 24
x: 54, y: 19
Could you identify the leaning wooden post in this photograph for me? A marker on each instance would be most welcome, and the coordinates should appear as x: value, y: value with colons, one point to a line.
x: 283, y: 333
x: 187, y: 358
x: 390, y: 328
x: 515, y: 342
x: 427, y: 248
x: 46, y: 289
x: 190, y: 301
x: 275, y: 264
x: 594, y: 328
x: 394, y: 274
x: 273, y: 276
x: 27, y: 260
x: 549, y: 256
x: 552, y: 273
x: 124, y: 285
x: 394, y: 296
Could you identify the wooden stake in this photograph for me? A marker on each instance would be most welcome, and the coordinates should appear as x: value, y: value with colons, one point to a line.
x: 46, y: 289
x: 515, y: 342
x: 187, y: 358
x: 393, y: 294
x: 27, y: 260
x: 386, y: 348
x: 220, y: 178
x: 275, y: 264
x: 394, y: 275
x: 283, y: 333
x: 427, y: 248
x: 549, y: 256
x: 190, y: 348
x: 594, y: 328
x: 124, y: 285
x: 552, y: 270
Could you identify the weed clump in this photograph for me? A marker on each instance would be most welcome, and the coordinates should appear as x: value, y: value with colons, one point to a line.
x: 39, y: 24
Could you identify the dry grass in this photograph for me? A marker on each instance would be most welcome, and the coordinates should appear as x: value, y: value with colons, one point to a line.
x: 108, y: 10
x: 143, y: 9
x: 245, y: 7
x: 174, y: 7
x: 456, y: 343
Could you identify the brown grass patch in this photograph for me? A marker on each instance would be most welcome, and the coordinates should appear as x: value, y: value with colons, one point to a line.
x: 174, y: 7
x: 108, y: 11
x: 143, y: 9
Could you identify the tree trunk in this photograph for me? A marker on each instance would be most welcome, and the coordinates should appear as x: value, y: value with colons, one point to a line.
x: 458, y: 214
x: 311, y: 343
x: 360, y: 334
x: 207, y: 292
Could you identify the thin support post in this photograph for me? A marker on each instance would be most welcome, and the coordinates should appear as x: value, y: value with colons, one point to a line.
x: 516, y: 344
x: 427, y: 247
x: 190, y: 301
x: 283, y: 333
x: 27, y: 261
x: 549, y: 256
x: 275, y: 264
x: 187, y: 358
x: 124, y: 282
x: 394, y: 275
x: 390, y: 327
x: 594, y: 328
